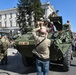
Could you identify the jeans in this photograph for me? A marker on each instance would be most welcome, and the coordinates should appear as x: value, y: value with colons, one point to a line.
x: 42, y: 66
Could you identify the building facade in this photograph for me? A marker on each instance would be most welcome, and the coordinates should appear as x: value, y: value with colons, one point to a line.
x: 8, y: 17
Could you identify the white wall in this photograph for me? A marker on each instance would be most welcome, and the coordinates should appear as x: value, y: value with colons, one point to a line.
x: 46, y: 6
x: 13, y: 11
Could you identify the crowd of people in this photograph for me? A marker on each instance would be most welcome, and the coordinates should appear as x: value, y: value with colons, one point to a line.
x: 49, y: 25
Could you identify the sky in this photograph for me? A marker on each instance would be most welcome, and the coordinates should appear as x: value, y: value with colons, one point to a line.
x: 67, y: 9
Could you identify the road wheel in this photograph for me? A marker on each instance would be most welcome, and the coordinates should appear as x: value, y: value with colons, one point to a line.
x: 27, y: 61
x: 67, y: 60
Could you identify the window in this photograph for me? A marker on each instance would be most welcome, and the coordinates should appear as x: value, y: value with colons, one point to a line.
x: 5, y: 16
x: 44, y: 11
x: 17, y: 24
x: 5, y: 24
x: 0, y: 24
x: 10, y: 15
x: 16, y: 14
x: 0, y: 17
x: 11, y: 23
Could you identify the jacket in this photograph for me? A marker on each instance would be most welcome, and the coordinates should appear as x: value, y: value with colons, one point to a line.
x: 5, y: 43
x: 42, y: 50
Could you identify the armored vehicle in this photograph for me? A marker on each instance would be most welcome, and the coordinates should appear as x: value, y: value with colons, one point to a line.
x: 60, y: 49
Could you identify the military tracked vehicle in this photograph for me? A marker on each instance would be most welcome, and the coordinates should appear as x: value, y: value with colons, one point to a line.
x: 60, y: 49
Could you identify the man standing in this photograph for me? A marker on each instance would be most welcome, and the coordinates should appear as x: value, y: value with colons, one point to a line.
x: 42, y: 51
x: 68, y: 24
x: 5, y: 44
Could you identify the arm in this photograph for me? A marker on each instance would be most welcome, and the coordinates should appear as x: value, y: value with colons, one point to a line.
x: 34, y: 33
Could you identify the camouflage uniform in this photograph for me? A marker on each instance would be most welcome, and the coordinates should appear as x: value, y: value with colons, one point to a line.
x: 1, y: 48
x: 68, y: 25
x: 5, y: 43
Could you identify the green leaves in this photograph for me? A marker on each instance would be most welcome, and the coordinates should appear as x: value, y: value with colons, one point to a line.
x: 26, y: 7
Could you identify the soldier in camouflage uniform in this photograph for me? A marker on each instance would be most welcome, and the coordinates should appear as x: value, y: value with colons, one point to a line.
x: 68, y: 25
x: 5, y: 44
x: 1, y: 48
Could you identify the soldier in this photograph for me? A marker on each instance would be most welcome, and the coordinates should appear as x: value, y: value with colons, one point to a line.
x: 52, y: 27
x: 5, y: 43
x: 47, y: 22
x: 1, y: 48
x: 73, y: 44
x: 39, y: 23
x: 68, y: 24
x: 56, y: 14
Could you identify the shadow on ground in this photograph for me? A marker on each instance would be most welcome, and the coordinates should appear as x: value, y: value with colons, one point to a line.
x: 53, y: 67
x: 15, y: 65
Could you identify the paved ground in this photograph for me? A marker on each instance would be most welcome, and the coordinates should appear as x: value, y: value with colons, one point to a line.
x: 15, y: 66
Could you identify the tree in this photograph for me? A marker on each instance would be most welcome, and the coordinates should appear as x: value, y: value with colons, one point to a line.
x: 26, y: 7
x: 37, y: 10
